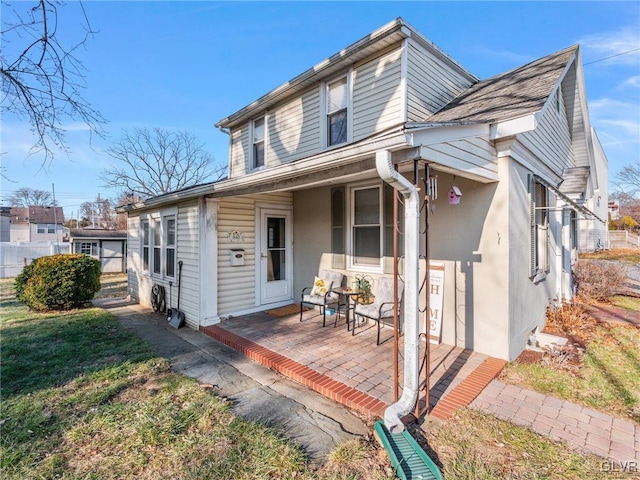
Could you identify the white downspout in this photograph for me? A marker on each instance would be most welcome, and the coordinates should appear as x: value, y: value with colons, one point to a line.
x: 395, y: 411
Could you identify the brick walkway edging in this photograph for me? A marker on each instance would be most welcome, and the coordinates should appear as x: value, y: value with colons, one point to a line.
x: 582, y: 428
x: 461, y: 396
x: 322, y: 384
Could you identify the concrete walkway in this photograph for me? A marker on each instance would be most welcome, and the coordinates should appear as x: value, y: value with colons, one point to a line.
x: 582, y: 428
x: 305, y: 417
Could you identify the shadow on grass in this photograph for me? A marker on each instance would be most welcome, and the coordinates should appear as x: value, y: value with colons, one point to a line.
x: 48, y: 350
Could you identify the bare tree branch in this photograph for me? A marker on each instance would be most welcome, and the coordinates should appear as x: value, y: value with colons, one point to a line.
x: 43, y: 81
x: 628, y: 179
x: 157, y: 161
x: 29, y: 197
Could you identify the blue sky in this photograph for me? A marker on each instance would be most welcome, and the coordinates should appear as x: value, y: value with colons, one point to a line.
x: 186, y: 65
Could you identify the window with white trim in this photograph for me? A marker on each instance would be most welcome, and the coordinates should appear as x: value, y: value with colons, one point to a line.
x: 258, y: 135
x: 366, y: 226
x: 169, y: 245
x: 88, y: 248
x: 337, y: 112
x: 146, y: 243
x: 158, y: 238
x: 46, y: 228
x: 157, y: 246
x: 539, y: 227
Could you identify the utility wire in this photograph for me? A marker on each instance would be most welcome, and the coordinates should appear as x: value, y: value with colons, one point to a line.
x: 612, y: 56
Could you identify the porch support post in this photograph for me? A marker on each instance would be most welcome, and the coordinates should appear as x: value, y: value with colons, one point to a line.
x: 209, y: 262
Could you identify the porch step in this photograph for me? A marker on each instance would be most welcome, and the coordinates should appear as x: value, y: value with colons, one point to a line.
x: 407, y: 457
x: 469, y: 388
x: 337, y: 391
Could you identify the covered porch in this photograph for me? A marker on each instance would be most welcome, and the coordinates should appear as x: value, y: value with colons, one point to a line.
x: 351, y: 368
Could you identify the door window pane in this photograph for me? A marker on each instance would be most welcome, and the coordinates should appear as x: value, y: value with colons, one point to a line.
x: 276, y: 243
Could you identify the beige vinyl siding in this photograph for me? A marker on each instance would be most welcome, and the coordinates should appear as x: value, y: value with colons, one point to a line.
x: 294, y: 129
x: 239, y: 151
x: 551, y: 141
x: 133, y: 257
x: 430, y: 84
x: 377, y: 95
x: 475, y: 155
x: 236, y: 285
x: 188, y: 248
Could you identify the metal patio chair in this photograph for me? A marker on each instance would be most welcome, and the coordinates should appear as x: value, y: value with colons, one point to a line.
x: 321, y: 294
x: 382, y: 306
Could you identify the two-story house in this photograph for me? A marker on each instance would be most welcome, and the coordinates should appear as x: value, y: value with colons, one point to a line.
x: 509, y: 165
x: 37, y: 224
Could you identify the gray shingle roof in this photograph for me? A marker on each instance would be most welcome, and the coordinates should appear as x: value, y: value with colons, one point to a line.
x: 513, y: 94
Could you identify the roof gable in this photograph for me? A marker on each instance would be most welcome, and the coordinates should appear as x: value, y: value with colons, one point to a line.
x: 516, y: 93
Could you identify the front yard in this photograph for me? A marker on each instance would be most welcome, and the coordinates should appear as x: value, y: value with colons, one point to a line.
x: 83, y: 398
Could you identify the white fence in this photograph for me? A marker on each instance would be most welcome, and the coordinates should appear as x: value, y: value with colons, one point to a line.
x: 623, y: 239
x: 14, y: 256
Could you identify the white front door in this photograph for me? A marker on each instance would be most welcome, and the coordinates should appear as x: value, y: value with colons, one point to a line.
x: 276, y: 256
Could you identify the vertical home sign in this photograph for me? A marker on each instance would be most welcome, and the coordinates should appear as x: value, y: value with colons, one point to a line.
x: 436, y: 296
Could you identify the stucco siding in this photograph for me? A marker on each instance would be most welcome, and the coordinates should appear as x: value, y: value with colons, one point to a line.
x: 430, y: 84
x: 551, y: 140
x: 239, y: 152
x: 294, y: 129
x: 377, y: 95
x: 237, y: 284
x: 471, y: 239
x: 528, y: 299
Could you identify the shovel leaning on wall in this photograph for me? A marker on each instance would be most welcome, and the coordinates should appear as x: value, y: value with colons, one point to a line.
x: 175, y: 316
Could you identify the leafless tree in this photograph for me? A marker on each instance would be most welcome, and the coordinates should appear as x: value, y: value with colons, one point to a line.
x: 29, y: 197
x: 42, y: 78
x: 628, y: 179
x: 100, y: 213
x: 158, y: 161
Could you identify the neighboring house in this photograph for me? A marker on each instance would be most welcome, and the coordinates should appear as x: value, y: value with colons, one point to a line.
x: 37, y: 224
x: 304, y: 192
x: 614, y: 210
x: 5, y: 224
x: 109, y: 246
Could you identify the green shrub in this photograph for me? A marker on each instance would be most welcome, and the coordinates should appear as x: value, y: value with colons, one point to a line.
x: 58, y: 282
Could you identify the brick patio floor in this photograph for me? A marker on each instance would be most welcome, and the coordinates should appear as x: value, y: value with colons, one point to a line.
x: 348, y: 368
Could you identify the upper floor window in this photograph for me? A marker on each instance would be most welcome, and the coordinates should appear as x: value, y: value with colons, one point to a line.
x: 337, y: 112
x: 46, y: 228
x: 257, y: 159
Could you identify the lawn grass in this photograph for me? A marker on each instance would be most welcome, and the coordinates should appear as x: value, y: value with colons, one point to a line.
x: 621, y: 254
x: 82, y: 398
x: 477, y: 446
x: 608, y: 379
x: 626, y: 302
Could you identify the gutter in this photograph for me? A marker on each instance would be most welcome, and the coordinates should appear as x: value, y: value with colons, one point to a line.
x: 394, y: 413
